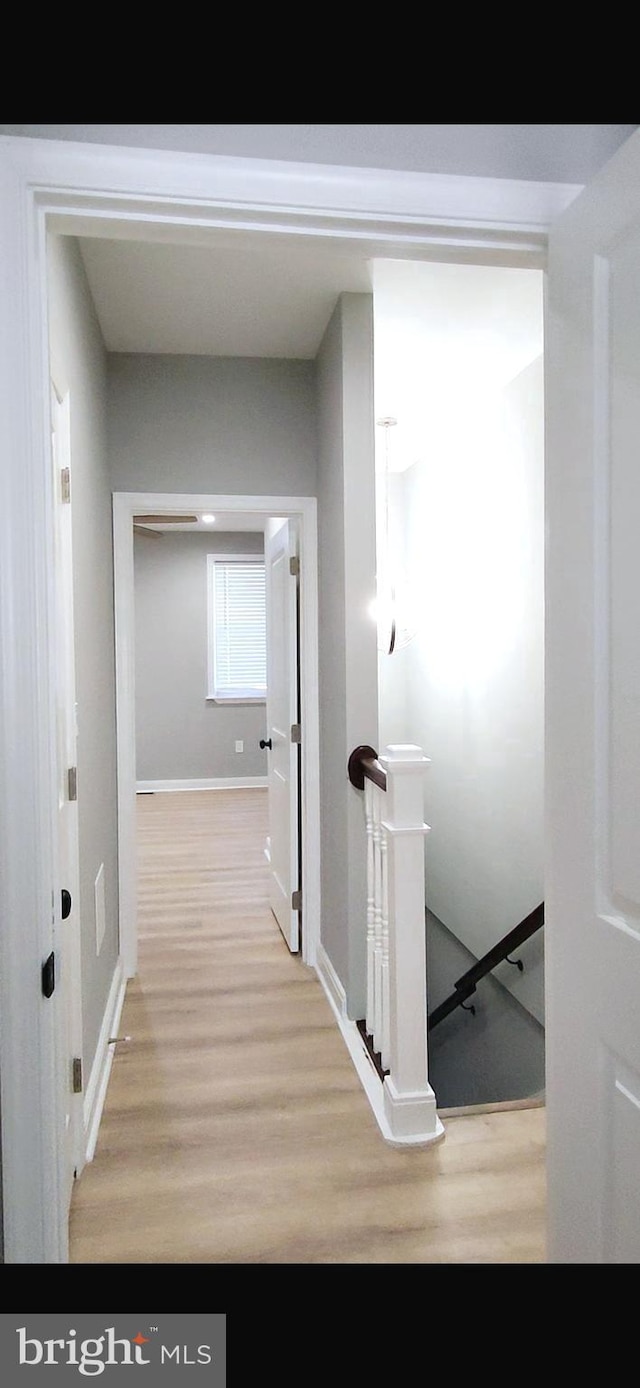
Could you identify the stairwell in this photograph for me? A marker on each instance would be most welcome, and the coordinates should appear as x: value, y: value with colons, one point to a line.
x: 489, y: 1049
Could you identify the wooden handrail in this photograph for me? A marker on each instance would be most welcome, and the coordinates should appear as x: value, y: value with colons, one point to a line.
x: 466, y: 986
x: 363, y: 765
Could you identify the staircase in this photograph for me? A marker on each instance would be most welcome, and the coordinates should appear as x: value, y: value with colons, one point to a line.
x: 484, y: 1046
x: 429, y: 1044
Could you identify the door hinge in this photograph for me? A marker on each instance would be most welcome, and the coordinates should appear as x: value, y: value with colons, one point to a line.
x: 77, y: 1075
x: 65, y: 484
x: 296, y: 900
x: 72, y: 783
x: 294, y: 566
x: 296, y: 732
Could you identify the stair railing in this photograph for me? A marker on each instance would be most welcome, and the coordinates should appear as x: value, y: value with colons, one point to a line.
x: 466, y: 986
x: 395, y: 1027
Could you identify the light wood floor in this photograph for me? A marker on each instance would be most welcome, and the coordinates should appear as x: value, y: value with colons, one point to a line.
x: 235, y: 1128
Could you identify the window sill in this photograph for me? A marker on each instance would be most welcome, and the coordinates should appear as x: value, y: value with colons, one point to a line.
x: 216, y: 699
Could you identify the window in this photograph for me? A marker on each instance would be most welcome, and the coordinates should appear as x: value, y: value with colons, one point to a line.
x: 237, y: 627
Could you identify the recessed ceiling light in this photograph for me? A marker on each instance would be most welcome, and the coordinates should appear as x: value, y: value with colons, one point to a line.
x: 208, y: 520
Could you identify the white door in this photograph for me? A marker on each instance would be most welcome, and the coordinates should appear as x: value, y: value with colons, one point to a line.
x: 592, y: 893
x: 283, y: 725
x: 66, y: 996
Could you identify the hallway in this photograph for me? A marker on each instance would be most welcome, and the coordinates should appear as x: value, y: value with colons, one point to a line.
x: 235, y: 1128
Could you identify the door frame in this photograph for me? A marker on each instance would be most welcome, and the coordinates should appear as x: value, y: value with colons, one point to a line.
x: 98, y: 190
x: 304, y: 511
x: 72, y: 1032
x: 283, y: 539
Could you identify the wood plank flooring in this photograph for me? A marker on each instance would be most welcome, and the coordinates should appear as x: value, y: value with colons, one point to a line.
x: 235, y: 1128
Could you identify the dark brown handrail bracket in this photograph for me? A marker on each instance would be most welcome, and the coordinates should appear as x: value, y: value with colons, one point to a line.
x: 363, y: 765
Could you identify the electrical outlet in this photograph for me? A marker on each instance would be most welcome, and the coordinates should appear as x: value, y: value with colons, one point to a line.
x: 239, y: 746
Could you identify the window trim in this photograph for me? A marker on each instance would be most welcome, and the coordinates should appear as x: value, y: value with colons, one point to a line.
x: 213, y: 695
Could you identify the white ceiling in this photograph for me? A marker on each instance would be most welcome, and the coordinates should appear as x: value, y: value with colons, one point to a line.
x: 244, y: 295
x: 546, y: 153
x: 255, y: 294
x: 258, y: 295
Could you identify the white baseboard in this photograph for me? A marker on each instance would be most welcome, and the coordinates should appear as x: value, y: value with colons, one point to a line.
x: 217, y: 783
x: 96, y: 1090
x: 364, y: 1066
x: 331, y: 983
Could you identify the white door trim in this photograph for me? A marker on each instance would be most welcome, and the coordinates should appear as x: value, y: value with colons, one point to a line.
x: 285, y: 765
x: 70, y: 933
x: 102, y: 191
x: 304, y: 510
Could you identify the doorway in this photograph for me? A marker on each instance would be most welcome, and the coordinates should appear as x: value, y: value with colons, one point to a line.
x: 461, y: 538
x: 303, y: 511
x: 129, y: 193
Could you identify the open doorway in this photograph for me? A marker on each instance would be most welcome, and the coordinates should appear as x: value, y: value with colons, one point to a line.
x: 234, y: 516
x: 59, y: 191
x: 217, y: 673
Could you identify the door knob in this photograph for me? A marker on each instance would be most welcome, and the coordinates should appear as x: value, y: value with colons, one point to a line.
x: 265, y: 742
x: 66, y: 903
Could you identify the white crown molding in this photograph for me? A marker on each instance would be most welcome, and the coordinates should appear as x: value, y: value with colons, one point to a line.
x: 92, y: 183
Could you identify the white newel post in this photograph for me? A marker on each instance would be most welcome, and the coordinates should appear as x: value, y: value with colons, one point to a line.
x: 409, y: 1100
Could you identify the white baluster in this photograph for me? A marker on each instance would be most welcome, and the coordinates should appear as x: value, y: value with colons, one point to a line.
x: 368, y: 810
x: 377, y: 919
x: 409, y: 1100
x: 384, y: 960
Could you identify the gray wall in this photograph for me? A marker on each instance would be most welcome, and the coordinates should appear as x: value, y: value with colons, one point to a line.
x: 235, y: 426
x: 79, y: 366
x: 332, y: 673
x: 247, y: 427
x: 348, y: 656
x: 568, y: 153
x: 180, y: 735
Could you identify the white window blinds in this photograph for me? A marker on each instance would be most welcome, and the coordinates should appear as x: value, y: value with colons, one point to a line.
x: 237, y: 627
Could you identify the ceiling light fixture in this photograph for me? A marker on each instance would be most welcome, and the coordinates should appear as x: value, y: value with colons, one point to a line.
x: 208, y: 520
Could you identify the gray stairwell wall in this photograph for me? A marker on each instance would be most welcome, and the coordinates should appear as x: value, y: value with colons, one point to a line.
x: 180, y: 733
x: 481, y: 725
x: 484, y: 788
